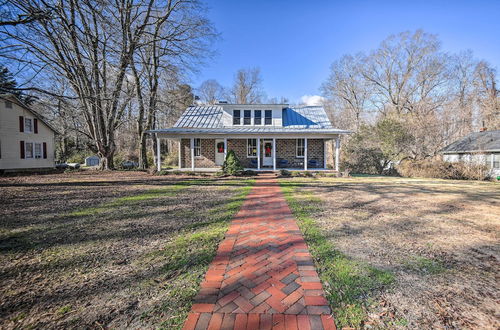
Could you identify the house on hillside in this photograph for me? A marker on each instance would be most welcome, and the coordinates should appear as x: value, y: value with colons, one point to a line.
x: 478, y: 148
x: 263, y: 137
x: 26, y: 139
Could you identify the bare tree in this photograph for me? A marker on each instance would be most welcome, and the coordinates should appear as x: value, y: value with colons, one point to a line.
x: 210, y: 91
x: 247, y: 87
x: 488, y: 95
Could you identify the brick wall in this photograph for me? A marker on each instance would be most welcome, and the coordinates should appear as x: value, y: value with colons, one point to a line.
x: 286, y: 149
x: 239, y: 146
x: 207, y: 157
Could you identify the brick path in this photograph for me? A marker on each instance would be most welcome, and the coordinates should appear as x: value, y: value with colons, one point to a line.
x: 263, y: 276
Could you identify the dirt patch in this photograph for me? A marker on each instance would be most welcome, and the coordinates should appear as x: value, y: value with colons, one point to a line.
x: 439, y: 238
x: 64, y: 270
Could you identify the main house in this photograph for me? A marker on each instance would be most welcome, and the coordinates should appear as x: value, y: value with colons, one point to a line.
x: 263, y: 137
x: 26, y: 140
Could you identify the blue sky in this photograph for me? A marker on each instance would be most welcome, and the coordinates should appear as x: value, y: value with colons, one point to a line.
x: 294, y: 42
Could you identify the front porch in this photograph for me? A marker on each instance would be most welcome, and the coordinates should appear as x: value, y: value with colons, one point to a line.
x: 207, y: 154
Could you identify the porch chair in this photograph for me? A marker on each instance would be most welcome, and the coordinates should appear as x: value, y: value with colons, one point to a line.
x: 253, y: 162
x: 282, y: 162
x: 312, y: 163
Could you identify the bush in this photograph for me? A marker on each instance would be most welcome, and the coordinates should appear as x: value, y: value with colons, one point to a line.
x: 437, y: 168
x: 232, y: 164
x: 285, y: 173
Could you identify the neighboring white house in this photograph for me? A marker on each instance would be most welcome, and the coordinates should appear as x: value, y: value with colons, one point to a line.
x: 478, y: 148
x: 26, y: 140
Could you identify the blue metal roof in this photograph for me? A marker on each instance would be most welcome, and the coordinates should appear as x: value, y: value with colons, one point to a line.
x: 306, y: 117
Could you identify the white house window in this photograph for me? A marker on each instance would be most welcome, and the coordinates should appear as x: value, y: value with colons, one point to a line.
x: 496, y: 160
x: 38, y: 150
x: 8, y: 104
x: 268, y: 120
x: 300, y: 148
x: 247, y: 117
x: 252, y: 148
x: 236, y: 117
x: 257, y: 120
x: 28, y: 150
x: 197, y: 147
x: 28, y: 125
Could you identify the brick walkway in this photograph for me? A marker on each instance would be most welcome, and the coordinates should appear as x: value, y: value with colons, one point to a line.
x: 263, y: 276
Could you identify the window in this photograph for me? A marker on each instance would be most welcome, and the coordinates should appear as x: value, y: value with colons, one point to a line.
x: 252, y: 148
x: 300, y: 148
x: 28, y: 150
x: 28, y: 125
x: 496, y: 160
x: 247, y: 117
x: 38, y: 150
x: 268, y: 120
x: 236, y: 117
x: 197, y: 147
x: 8, y: 104
x: 257, y: 117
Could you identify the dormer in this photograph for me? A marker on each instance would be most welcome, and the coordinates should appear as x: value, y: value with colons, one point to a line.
x: 252, y: 115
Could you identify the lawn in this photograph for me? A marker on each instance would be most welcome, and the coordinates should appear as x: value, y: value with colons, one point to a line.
x: 403, y: 253
x: 108, y: 250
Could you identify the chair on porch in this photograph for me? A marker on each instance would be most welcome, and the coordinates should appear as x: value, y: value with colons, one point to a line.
x: 313, y: 163
x: 282, y: 162
x: 253, y: 162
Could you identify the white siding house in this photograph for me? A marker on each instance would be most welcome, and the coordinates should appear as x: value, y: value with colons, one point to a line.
x: 477, y: 148
x: 26, y: 140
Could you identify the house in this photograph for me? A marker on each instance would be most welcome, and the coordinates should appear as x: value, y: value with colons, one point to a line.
x: 263, y: 137
x: 26, y: 140
x: 478, y: 148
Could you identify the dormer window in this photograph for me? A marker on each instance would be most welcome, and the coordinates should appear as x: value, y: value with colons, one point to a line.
x: 236, y: 117
x: 247, y: 117
x: 268, y: 120
x: 257, y: 117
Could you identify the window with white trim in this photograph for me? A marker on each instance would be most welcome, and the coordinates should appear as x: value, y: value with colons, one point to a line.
x: 236, y: 117
x: 38, y: 150
x: 496, y: 160
x: 300, y: 148
x: 28, y: 125
x: 251, y: 148
x: 247, y: 117
x: 257, y: 117
x: 268, y: 119
x: 197, y: 147
x: 28, y: 150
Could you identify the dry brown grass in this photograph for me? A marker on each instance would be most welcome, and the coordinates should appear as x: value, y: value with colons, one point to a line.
x: 439, y: 238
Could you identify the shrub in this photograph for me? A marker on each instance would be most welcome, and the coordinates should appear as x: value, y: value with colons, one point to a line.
x: 285, y: 173
x: 232, y: 164
x: 437, y: 168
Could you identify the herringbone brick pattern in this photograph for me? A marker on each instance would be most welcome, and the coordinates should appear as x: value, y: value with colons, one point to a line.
x: 263, y: 276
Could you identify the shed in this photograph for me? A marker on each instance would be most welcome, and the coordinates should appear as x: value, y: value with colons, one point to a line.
x: 92, y: 161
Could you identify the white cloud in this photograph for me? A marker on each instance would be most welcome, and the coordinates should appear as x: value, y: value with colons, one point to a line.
x: 312, y: 100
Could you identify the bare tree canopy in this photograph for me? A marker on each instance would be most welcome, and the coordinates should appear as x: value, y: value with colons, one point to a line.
x: 247, y: 87
x: 210, y: 91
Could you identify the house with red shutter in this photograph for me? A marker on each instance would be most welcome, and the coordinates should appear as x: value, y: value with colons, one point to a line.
x: 26, y: 139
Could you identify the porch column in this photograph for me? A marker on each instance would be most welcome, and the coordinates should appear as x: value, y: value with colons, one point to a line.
x: 225, y: 148
x: 324, y: 153
x: 274, y: 154
x: 158, y: 154
x: 180, y: 153
x: 192, y: 154
x: 305, y: 154
x: 337, y: 153
x: 258, y: 153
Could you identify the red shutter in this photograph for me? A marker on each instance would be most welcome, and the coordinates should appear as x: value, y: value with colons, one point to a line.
x: 21, y: 124
x: 22, y: 149
x: 35, y: 125
x: 45, y: 150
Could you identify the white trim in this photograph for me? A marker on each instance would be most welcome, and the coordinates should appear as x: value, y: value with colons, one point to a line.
x: 197, y: 147
x: 255, y: 147
x: 337, y: 153
x: 158, y: 154
x: 192, y: 153
x: 274, y: 154
x: 297, y: 148
x: 180, y: 152
x: 225, y: 148
x: 258, y: 153
x: 305, y: 154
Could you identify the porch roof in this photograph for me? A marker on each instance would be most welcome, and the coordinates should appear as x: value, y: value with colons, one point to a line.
x: 235, y: 131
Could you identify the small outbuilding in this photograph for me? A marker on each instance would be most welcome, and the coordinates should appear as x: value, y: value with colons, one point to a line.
x: 478, y: 148
x: 92, y: 161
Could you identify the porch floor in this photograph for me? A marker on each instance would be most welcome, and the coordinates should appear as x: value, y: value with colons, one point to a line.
x: 264, y: 169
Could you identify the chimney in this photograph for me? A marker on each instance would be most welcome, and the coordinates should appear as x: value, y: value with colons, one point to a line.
x: 483, y: 129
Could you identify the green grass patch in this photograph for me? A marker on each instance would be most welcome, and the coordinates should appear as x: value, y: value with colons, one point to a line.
x: 423, y: 265
x: 348, y: 283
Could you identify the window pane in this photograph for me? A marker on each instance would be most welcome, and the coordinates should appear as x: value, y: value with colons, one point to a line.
x: 236, y: 117
x: 38, y: 150
x: 269, y: 117
x: 247, y: 120
x: 252, y: 147
x: 257, y: 117
x: 197, y: 147
x: 29, y: 150
x: 300, y: 147
x: 27, y: 125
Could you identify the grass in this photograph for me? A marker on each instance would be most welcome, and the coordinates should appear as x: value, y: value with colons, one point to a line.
x: 186, y: 258
x: 423, y: 265
x: 348, y: 283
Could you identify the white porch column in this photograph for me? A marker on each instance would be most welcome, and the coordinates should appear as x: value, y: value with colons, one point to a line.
x: 192, y: 154
x: 225, y: 148
x: 158, y: 154
x: 337, y: 153
x: 305, y: 154
x: 274, y: 154
x: 324, y: 153
x: 258, y: 153
x: 180, y: 152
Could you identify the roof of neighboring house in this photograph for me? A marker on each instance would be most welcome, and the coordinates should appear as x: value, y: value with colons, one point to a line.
x: 475, y: 142
x: 13, y: 98
x: 208, y: 119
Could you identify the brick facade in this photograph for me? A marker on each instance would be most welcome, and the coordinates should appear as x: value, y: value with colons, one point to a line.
x: 285, y: 149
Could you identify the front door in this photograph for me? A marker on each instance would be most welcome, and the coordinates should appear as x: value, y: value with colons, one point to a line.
x: 219, y: 152
x: 267, y: 153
